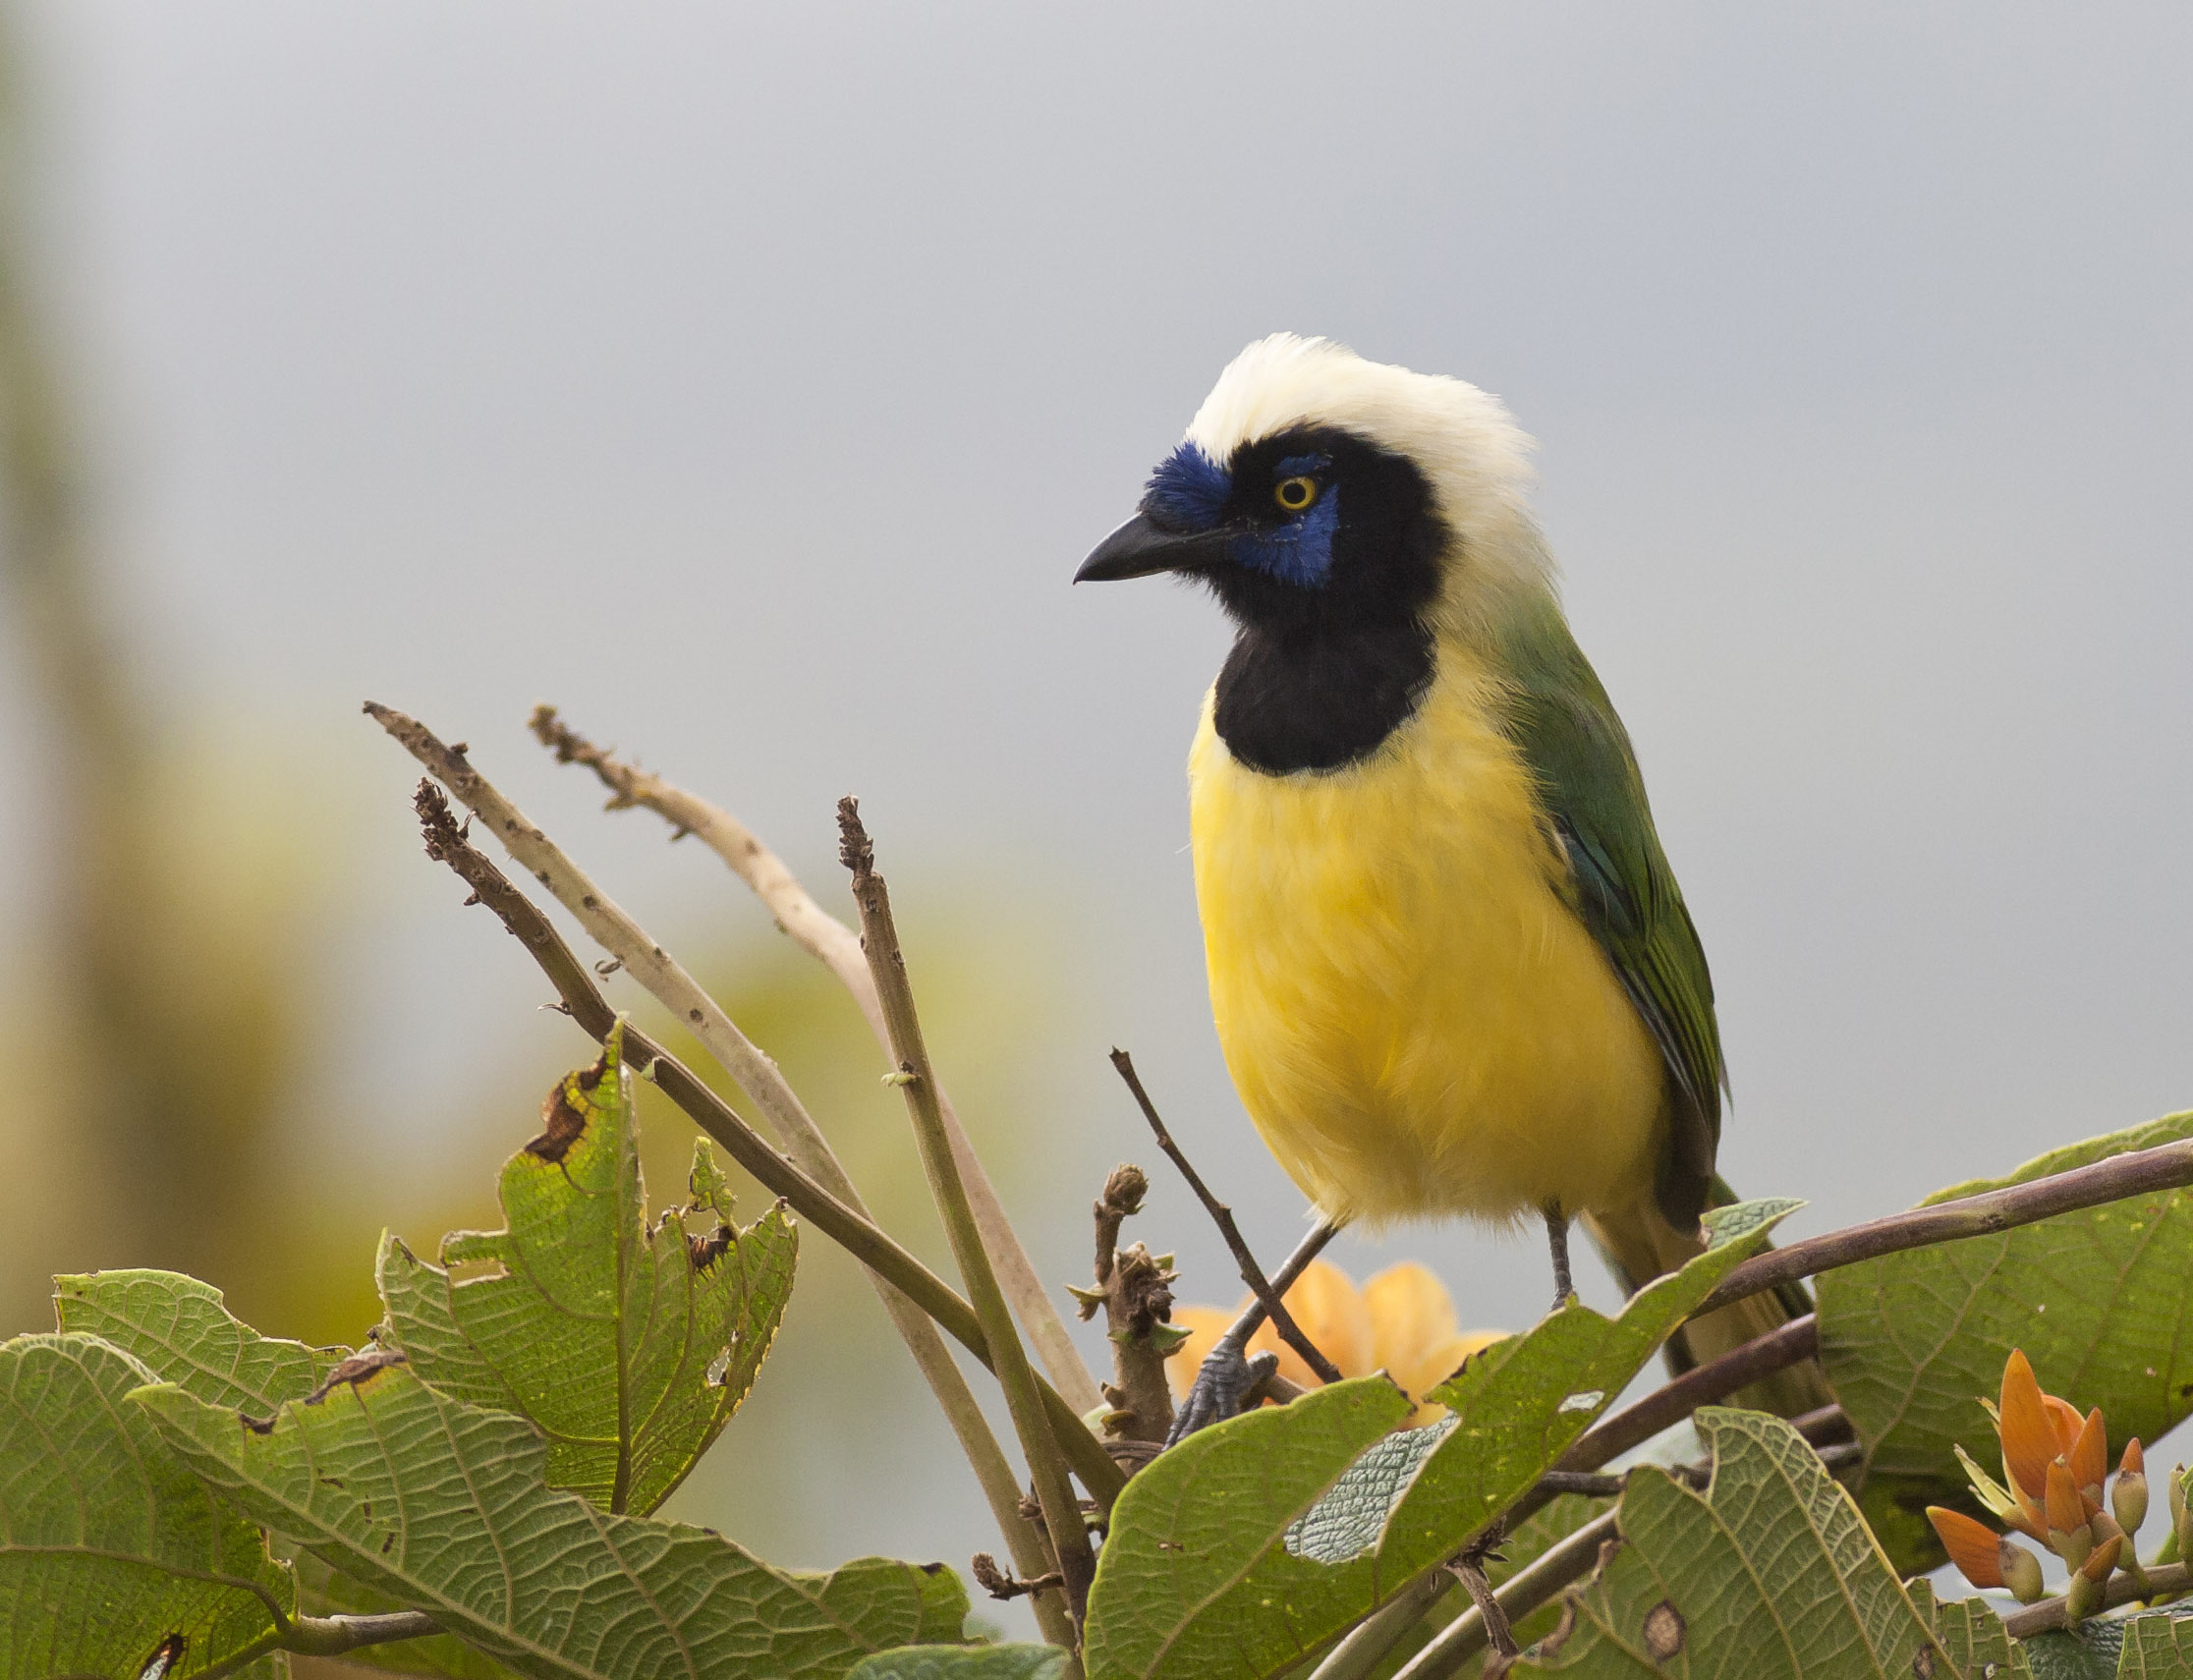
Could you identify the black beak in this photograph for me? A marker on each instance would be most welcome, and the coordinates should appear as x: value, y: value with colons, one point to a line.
x: 1138, y: 549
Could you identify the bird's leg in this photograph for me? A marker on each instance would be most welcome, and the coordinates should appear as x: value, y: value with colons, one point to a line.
x: 1556, y: 1239
x: 1228, y: 1378
x: 1224, y: 1385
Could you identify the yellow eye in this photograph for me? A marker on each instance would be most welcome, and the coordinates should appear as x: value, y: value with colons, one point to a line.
x: 1295, y: 494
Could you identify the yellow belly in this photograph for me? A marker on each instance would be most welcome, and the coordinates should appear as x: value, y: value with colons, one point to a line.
x: 1415, y: 1021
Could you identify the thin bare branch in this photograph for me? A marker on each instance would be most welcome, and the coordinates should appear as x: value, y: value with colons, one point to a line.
x: 1054, y: 1492
x: 332, y: 1636
x: 908, y: 1288
x: 2167, y: 1166
x: 1223, y: 1216
x: 838, y: 948
x: 1534, y: 1585
x: 670, y: 984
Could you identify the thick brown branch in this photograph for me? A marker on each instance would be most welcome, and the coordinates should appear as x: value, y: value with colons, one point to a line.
x: 1223, y: 1216
x: 838, y: 948
x: 1039, y: 1442
x: 2167, y: 1166
x: 2163, y: 1579
x: 859, y: 1236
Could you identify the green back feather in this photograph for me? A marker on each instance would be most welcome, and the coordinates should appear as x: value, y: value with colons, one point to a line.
x: 1620, y: 881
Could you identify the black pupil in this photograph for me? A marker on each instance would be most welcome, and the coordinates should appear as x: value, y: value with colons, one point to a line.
x: 1295, y: 492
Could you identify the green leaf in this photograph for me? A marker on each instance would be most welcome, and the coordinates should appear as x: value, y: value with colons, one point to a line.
x: 177, y: 1327
x: 1246, y: 1547
x: 2154, y: 1645
x: 108, y: 1545
x: 1771, y: 1574
x: 629, y: 1347
x: 2096, y: 1298
x: 2158, y: 1646
x: 1970, y: 1631
x: 963, y: 1662
x: 442, y: 1505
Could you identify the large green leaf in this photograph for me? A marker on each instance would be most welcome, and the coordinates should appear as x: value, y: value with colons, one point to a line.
x: 177, y: 1327
x: 2096, y: 1298
x: 1246, y: 1547
x: 628, y: 1346
x: 1973, y: 1635
x: 108, y: 1546
x: 2158, y: 1647
x: 1769, y: 1573
x: 443, y: 1506
x: 963, y: 1662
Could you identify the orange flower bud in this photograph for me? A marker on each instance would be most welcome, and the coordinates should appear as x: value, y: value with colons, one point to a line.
x: 2081, y: 1599
x: 2029, y: 1438
x: 2102, y: 1559
x: 2021, y: 1572
x: 1974, y: 1547
x: 2089, y: 1457
x: 2069, y: 1538
x: 2129, y: 1494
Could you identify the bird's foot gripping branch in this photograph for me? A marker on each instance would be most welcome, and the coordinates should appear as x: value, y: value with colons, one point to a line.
x: 475, y: 1490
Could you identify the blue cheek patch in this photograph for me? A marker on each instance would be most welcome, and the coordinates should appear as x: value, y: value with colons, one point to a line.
x: 1188, y: 491
x: 1298, y: 553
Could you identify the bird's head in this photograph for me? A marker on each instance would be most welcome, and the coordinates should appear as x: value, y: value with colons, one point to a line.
x: 1318, y: 489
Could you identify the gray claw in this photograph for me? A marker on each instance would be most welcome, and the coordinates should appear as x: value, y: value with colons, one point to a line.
x: 1224, y: 1389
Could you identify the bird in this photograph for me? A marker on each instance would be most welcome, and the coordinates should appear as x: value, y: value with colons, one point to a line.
x: 1450, y: 968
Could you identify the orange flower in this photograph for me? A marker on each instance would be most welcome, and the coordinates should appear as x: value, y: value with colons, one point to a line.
x: 2028, y: 1435
x: 1974, y: 1547
x: 1400, y: 1321
x: 2089, y: 1457
x: 2054, y: 1465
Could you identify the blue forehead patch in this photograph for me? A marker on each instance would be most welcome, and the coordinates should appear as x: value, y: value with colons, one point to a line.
x: 1187, y: 492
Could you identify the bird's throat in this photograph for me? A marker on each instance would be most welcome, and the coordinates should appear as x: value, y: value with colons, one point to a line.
x: 1317, y: 697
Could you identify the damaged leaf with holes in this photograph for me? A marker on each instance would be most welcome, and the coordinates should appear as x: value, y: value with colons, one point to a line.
x: 2096, y: 1298
x: 1771, y: 1574
x: 111, y: 1551
x: 443, y: 1506
x: 627, y: 1344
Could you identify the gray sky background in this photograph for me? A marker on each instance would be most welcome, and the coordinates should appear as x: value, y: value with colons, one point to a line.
x: 751, y: 380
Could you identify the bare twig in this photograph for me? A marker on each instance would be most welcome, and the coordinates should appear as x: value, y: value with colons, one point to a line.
x: 1054, y: 1492
x: 1002, y: 1583
x: 903, y: 1281
x: 838, y: 948
x: 1530, y: 1587
x: 332, y: 1636
x: 2163, y: 1579
x: 1223, y: 1216
x: 1135, y: 1290
x: 677, y: 991
x: 2167, y: 1166
x: 1468, y: 1570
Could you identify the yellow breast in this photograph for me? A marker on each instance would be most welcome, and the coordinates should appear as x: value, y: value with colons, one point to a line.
x: 1415, y: 1021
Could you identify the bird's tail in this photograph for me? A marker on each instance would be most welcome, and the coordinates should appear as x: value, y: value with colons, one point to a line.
x: 1640, y: 1245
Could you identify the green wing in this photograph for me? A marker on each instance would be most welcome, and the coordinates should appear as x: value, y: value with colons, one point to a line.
x: 1619, y: 882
